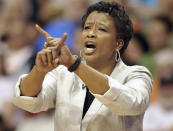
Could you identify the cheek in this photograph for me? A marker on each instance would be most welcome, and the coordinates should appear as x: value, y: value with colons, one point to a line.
x: 82, y: 38
x: 106, y: 47
x: 108, y: 42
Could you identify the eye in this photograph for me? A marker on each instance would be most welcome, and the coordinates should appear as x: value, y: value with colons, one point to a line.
x: 87, y: 27
x: 102, y: 29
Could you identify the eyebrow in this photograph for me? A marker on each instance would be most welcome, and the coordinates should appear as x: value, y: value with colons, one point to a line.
x: 93, y: 23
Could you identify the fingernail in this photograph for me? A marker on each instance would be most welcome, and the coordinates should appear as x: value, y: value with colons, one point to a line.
x: 65, y: 33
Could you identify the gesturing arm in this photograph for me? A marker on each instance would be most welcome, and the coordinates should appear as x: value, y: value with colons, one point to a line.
x: 131, y: 97
x: 31, y: 84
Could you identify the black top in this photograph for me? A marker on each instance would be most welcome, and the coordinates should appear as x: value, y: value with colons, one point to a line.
x: 88, y: 100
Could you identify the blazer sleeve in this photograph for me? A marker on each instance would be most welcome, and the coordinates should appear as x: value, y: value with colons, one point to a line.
x: 132, y: 97
x: 44, y: 100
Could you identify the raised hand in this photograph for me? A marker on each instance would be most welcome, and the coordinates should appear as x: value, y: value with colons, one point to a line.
x: 54, y: 52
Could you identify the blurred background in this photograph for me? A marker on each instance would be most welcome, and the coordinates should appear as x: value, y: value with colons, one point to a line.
x: 151, y: 46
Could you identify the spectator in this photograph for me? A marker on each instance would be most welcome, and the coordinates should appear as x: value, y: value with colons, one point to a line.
x: 139, y: 45
x: 158, y: 35
x: 159, y: 116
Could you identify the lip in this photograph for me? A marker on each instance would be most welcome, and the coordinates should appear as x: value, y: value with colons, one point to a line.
x: 90, y: 41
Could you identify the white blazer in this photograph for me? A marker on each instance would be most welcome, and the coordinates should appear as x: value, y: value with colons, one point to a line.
x: 121, y: 108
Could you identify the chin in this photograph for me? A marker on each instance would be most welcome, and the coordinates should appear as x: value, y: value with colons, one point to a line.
x: 90, y: 58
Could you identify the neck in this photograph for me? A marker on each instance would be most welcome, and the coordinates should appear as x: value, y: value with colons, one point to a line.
x: 104, y: 67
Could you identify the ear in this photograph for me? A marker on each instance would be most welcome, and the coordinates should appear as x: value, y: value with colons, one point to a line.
x: 119, y: 44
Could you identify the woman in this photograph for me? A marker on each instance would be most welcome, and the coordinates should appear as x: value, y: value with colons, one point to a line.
x: 102, y: 94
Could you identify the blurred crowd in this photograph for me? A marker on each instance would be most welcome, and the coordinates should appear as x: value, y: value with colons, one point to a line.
x: 151, y: 46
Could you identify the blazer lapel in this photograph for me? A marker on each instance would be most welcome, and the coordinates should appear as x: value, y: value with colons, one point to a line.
x: 77, y: 97
x: 96, y: 104
x: 91, y: 113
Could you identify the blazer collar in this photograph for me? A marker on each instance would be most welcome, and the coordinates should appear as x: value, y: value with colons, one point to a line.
x: 120, y: 66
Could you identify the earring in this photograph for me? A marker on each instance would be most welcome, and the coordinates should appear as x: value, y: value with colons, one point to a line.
x: 117, y: 56
x: 80, y: 53
x: 83, y: 60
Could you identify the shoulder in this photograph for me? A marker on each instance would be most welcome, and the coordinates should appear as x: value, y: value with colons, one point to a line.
x: 141, y: 72
x: 125, y: 73
x: 139, y: 69
x: 135, y: 69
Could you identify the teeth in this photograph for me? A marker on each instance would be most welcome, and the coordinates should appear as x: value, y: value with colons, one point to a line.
x: 90, y: 49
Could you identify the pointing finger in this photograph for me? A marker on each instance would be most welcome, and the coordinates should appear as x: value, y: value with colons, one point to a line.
x: 62, y: 41
x: 42, y: 31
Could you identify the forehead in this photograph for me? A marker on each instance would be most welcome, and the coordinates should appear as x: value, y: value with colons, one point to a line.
x: 100, y: 18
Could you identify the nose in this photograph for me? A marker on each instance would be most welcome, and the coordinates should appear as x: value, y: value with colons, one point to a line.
x: 91, y: 34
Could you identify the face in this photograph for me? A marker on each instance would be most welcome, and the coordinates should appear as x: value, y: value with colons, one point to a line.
x: 133, y: 58
x: 157, y: 35
x: 167, y: 5
x: 99, y: 39
x: 165, y: 73
x: 17, y: 36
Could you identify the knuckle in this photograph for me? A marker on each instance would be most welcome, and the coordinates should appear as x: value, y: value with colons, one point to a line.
x: 48, y: 51
x: 43, y: 50
x: 41, y: 53
x: 49, y: 48
x: 54, y: 49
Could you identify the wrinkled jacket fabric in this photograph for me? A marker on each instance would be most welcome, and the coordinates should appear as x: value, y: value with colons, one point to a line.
x: 121, y: 108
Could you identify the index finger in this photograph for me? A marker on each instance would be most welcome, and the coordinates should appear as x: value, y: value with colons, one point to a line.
x: 62, y: 41
x: 42, y: 31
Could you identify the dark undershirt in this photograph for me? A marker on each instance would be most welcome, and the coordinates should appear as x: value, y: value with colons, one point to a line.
x: 88, y: 100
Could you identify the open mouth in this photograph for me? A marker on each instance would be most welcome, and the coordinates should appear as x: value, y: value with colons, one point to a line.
x: 89, y: 48
x: 90, y: 45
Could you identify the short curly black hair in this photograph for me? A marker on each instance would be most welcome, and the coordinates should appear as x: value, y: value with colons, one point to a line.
x: 122, y: 21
